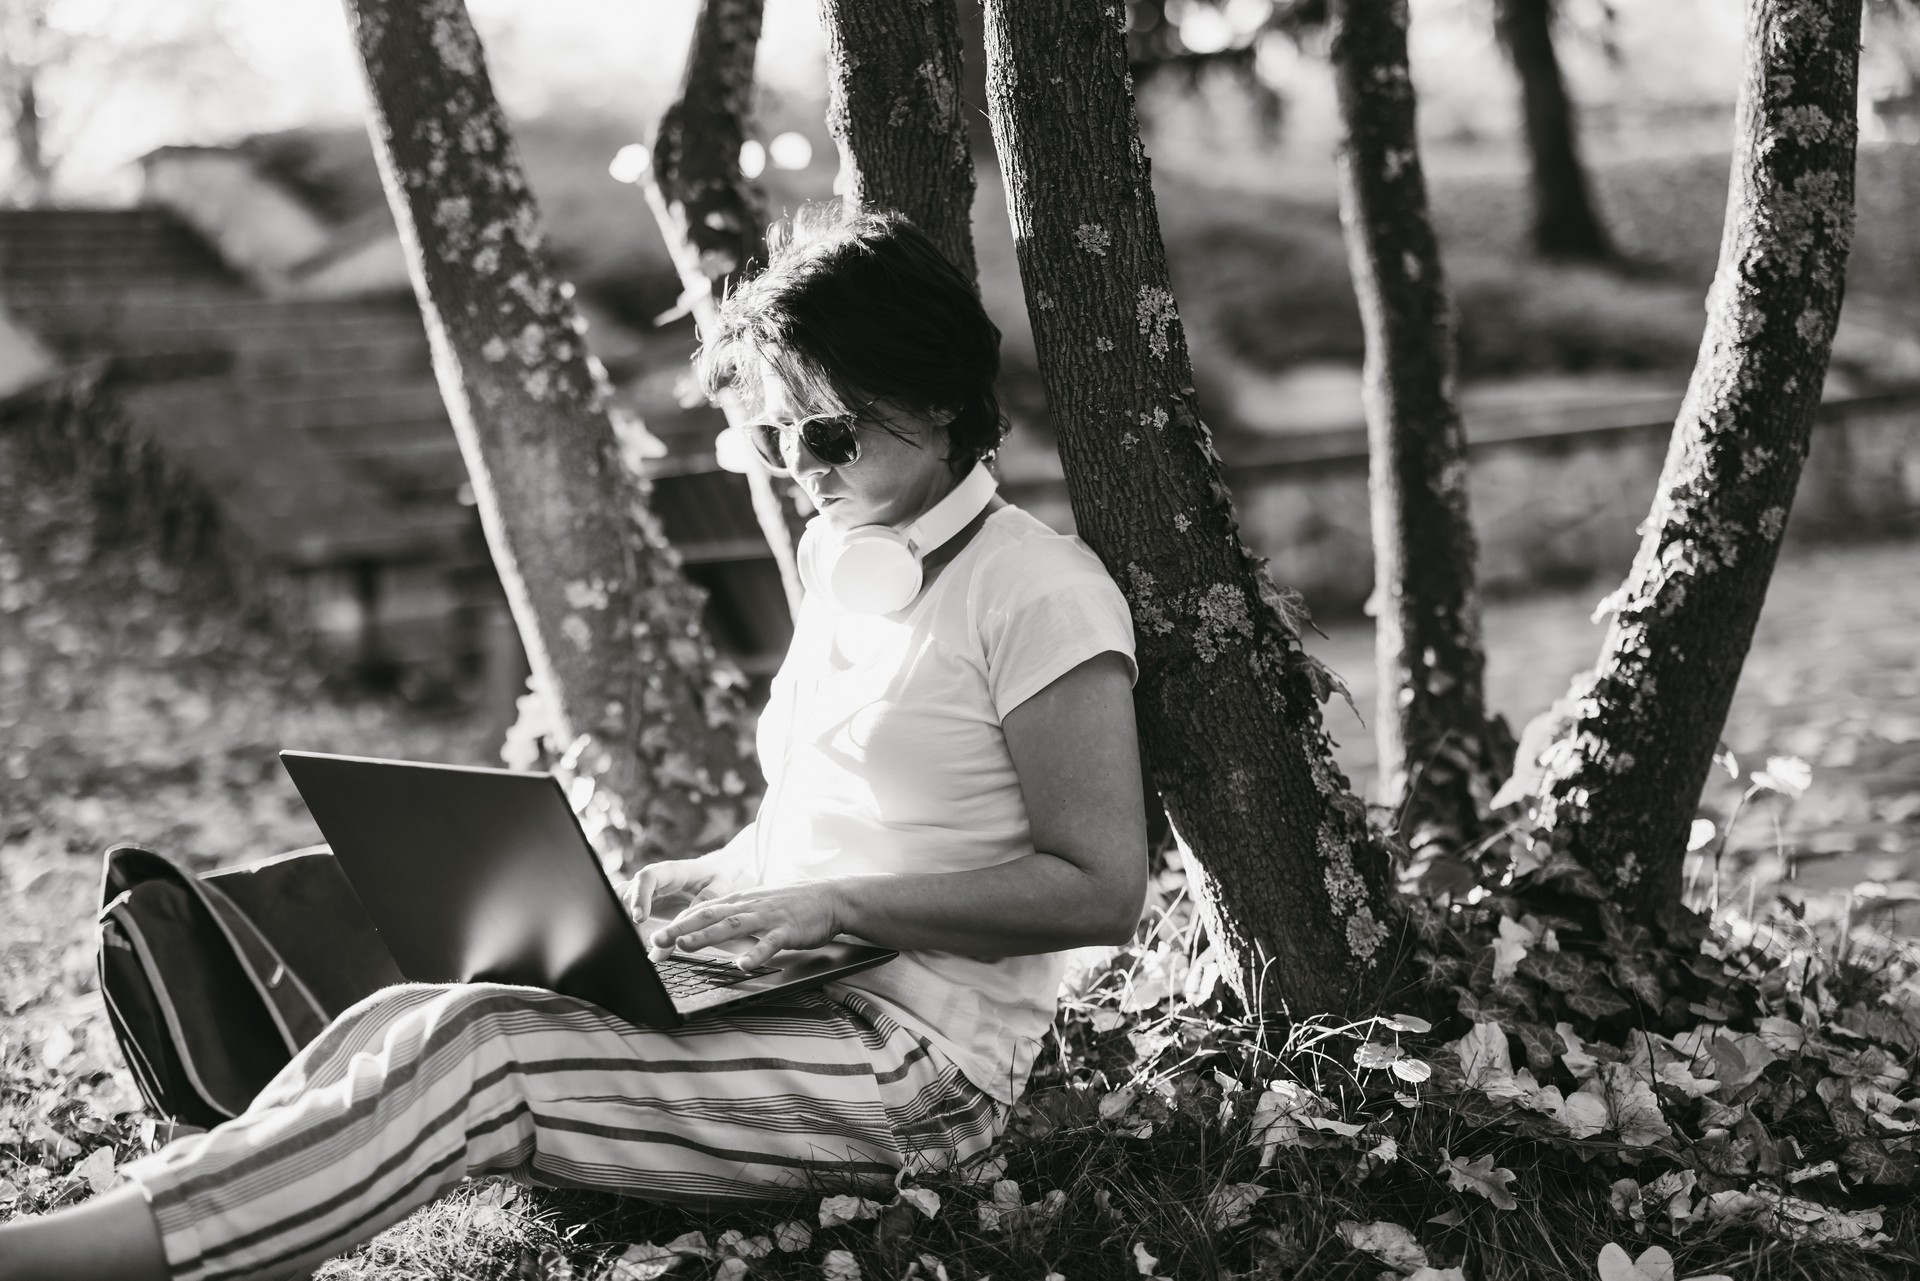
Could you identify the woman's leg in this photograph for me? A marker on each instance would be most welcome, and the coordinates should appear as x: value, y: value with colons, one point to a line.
x: 113, y: 1235
x: 418, y: 1087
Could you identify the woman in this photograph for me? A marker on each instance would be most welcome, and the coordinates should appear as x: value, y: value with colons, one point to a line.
x: 952, y: 772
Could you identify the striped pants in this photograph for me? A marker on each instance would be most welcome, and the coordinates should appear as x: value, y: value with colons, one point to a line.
x: 419, y: 1086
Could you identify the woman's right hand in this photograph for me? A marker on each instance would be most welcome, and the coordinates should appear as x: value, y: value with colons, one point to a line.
x: 682, y: 877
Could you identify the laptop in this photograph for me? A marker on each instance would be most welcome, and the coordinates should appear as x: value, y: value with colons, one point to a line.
x: 484, y: 875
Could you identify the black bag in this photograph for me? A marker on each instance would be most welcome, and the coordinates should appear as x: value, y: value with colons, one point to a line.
x: 213, y: 983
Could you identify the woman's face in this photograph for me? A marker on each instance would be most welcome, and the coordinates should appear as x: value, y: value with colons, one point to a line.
x: 891, y: 482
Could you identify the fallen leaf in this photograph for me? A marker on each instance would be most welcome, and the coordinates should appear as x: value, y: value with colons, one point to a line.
x: 732, y: 1268
x: 1633, y: 1110
x: 836, y: 1210
x: 1783, y: 1036
x: 1480, y: 1176
x: 1486, y: 1062
x: 1143, y: 1263
x: 642, y: 1261
x: 793, y: 1236
x: 734, y: 1241
x: 1578, y: 1061
x: 56, y: 1043
x: 840, y: 1265
x: 1232, y: 1205
x: 1624, y: 1196
x: 922, y: 1199
x: 1510, y: 948
x: 1654, y: 1264
x: 1390, y: 1243
x: 96, y: 1169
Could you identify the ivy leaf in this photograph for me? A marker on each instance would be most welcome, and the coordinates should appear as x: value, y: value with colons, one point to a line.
x: 1596, y: 1002
x: 1639, y: 978
x: 1561, y: 971
x: 1541, y: 1045
x: 1480, y: 1176
x: 1870, y: 1161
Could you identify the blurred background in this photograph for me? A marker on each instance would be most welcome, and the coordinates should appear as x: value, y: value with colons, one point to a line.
x: 233, y: 516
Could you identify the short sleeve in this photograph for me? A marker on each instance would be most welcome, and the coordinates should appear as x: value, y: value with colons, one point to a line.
x: 1044, y: 606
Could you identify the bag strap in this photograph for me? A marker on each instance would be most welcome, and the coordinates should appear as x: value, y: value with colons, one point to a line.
x: 296, y: 1015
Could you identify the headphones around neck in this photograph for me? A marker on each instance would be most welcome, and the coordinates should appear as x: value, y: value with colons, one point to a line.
x: 876, y: 569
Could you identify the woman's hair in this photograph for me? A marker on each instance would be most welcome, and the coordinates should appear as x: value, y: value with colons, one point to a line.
x: 855, y: 307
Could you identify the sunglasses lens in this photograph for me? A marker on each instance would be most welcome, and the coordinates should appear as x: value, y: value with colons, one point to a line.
x: 766, y: 441
x: 832, y: 440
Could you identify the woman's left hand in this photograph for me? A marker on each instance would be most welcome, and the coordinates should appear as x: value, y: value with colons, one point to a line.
x: 806, y: 914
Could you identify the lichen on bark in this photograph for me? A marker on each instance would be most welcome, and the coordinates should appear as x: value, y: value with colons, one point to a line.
x: 1292, y: 884
x: 1621, y: 770
x: 895, y: 111
x: 646, y: 722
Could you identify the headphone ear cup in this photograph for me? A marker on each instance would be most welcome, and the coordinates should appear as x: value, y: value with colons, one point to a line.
x: 874, y: 571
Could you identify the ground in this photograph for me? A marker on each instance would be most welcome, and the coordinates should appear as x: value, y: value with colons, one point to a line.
x: 1833, y: 678
x: 133, y: 706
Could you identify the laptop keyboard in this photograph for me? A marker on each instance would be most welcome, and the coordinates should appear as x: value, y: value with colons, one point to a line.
x: 692, y: 975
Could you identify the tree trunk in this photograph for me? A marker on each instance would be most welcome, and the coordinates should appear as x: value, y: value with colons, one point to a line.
x: 648, y: 723
x: 1292, y: 885
x: 712, y: 221
x: 1622, y: 776
x: 35, y: 175
x: 1565, y: 225
x: 1438, y: 761
x: 893, y: 104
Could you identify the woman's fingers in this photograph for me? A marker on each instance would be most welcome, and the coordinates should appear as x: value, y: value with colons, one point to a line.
x: 762, y: 952
x: 658, y: 879
x: 702, y: 924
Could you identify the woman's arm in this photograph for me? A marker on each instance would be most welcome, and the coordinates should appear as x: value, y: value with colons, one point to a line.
x: 1076, y: 752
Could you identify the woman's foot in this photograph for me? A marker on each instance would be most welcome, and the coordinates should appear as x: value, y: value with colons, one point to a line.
x: 110, y: 1238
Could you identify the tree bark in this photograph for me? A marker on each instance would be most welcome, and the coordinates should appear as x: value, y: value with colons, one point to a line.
x: 1621, y: 776
x: 1565, y: 224
x: 712, y: 220
x: 1439, y: 761
x: 653, y: 731
x: 893, y: 104
x: 35, y: 174
x: 1293, y: 887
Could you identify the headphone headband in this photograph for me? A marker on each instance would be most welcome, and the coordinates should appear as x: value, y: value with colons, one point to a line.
x: 946, y: 518
x: 876, y: 569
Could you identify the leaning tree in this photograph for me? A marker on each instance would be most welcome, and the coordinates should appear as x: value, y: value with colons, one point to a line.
x: 1440, y: 760
x: 712, y: 220
x: 1293, y: 887
x: 1617, y: 768
x: 641, y: 713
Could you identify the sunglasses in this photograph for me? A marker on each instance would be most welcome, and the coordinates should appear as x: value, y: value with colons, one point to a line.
x: 834, y: 441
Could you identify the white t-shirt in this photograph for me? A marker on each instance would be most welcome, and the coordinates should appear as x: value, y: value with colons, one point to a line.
x: 883, y: 752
